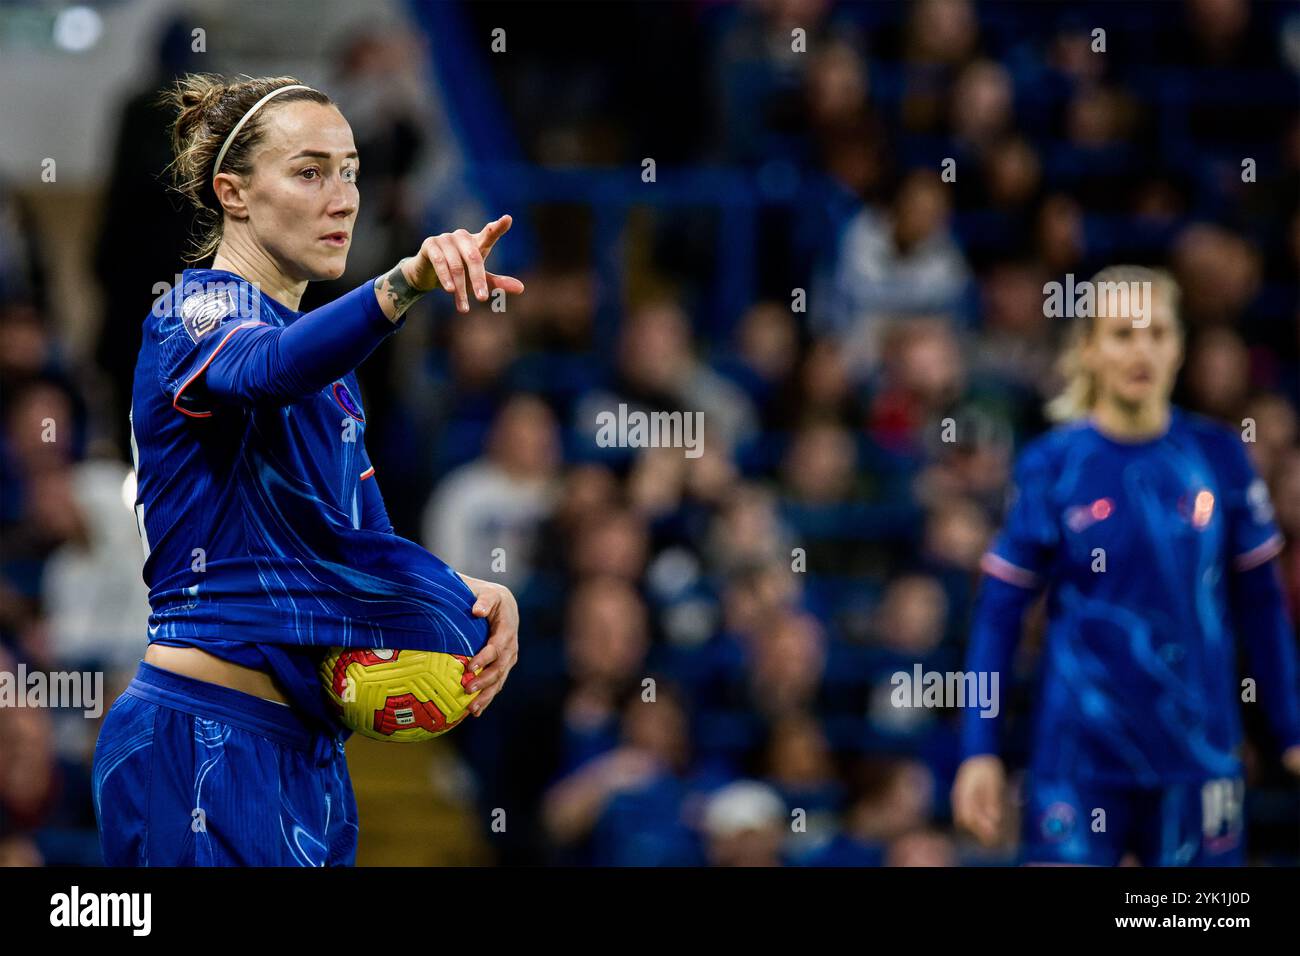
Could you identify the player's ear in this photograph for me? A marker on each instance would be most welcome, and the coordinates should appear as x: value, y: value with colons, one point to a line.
x: 230, y: 193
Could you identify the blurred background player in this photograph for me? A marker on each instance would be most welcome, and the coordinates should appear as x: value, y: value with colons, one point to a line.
x: 1154, y: 540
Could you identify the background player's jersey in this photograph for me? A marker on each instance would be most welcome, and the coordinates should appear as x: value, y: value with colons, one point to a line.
x: 1134, y: 541
x: 254, y: 517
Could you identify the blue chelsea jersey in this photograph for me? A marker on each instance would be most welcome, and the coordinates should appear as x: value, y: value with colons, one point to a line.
x: 263, y: 542
x: 1134, y: 543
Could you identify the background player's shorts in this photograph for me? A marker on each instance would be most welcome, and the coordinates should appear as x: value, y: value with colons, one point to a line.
x: 1184, y: 824
x: 189, y: 773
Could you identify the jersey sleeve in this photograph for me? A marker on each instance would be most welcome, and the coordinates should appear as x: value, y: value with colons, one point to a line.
x: 206, y: 359
x: 1253, y: 535
x: 999, y: 616
x: 190, y: 335
x: 1023, y: 549
x: 1262, y: 623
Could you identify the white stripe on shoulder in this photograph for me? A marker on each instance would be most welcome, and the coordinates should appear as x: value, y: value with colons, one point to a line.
x: 999, y: 567
x: 1260, y: 554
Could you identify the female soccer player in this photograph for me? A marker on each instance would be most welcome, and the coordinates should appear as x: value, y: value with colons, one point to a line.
x: 1154, y: 541
x: 265, y: 535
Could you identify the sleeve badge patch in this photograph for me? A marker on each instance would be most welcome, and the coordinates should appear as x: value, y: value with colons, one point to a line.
x: 200, y: 314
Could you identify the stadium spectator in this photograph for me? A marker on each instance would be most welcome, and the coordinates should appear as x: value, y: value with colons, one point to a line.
x: 485, y: 515
x: 744, y: 825
x: 902, y: 262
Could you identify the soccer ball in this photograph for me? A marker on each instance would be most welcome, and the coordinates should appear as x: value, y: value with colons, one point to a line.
x: 403, y: 696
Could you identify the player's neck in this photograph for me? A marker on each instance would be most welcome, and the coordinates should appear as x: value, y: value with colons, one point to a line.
x: 259, y: 269
x: 1131, y: 423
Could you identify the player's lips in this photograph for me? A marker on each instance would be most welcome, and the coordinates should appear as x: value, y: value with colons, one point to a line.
x: 339, y: 239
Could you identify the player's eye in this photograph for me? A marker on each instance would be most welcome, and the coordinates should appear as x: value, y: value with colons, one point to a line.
x: 350, y: 174
x: 312, y: 170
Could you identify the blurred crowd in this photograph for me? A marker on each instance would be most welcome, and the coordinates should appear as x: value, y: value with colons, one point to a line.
x: 707, y: 643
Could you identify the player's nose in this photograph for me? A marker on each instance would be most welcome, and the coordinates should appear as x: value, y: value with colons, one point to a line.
x: 1144, y: 342
x: 341, y: 209
x: 342, y: 202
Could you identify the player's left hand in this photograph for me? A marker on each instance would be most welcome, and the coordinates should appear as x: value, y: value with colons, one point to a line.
x: 1291, y: 759
x: 492, y: 664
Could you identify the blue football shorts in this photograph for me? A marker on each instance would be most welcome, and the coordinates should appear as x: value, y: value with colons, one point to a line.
x: 1194, y: 823
x: 189, y: 773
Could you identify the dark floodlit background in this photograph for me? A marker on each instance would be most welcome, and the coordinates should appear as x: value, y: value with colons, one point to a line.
x: 797, y: 271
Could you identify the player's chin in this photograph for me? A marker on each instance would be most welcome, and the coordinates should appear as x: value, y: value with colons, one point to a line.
x: 329, y: 265
x: 1139, y: 391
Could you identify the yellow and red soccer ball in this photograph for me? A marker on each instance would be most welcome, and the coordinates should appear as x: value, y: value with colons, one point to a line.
x: 402, y: 696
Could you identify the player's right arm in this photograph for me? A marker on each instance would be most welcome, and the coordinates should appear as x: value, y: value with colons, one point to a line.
x: 246, y: 362
x: 1013, y: 575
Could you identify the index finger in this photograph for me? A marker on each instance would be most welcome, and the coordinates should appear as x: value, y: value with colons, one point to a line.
x: 489, y: 234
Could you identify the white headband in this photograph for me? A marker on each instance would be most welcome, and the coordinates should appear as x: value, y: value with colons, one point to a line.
x: 216, y: 167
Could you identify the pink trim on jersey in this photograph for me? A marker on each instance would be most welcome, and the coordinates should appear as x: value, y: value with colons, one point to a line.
x: 368, y: 472
x: 1260, y: 554
x: 181, y: 391
x: 1002, y: 569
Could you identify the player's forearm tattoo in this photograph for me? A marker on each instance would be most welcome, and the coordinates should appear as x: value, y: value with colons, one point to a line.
x: 396, y: 290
